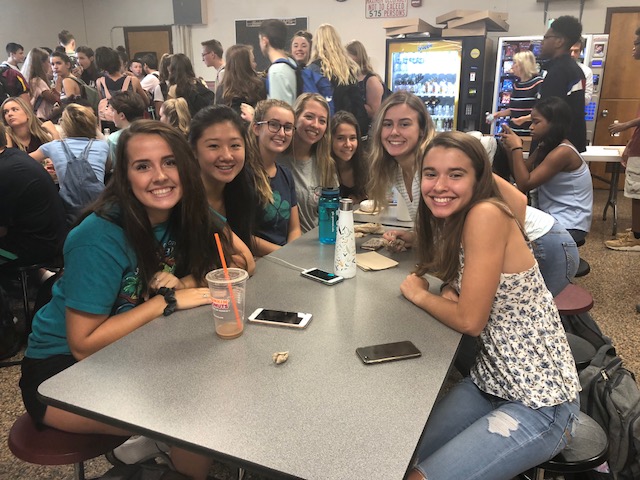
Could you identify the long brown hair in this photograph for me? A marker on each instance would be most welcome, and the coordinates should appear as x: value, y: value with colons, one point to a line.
x: 191, y: 223
x: 240, y: 80
x: 383, y: 165
x: 439, y: 239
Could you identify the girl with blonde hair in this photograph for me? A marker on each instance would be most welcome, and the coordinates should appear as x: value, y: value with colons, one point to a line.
x: 175, y: 112
x: 524, y: 94
x: 330, y: 58
x: 270, y: 134
x: 309, y: 156
x: 24, y: 130
x: 400, y: 133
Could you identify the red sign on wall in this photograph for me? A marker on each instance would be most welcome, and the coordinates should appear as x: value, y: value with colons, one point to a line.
x: 386, y: 8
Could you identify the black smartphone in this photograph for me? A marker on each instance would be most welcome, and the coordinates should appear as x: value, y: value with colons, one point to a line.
x: 388, y: 352
x: 321, y: 276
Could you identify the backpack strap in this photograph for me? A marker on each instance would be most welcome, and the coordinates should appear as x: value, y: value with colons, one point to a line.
x: 603, y: 351
x: 101, y: 86
x: 71, y: 157
x: 125, y: 84
x: 364, y: 85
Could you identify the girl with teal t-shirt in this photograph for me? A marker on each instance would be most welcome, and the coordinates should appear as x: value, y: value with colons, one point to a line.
x: 142, y: 251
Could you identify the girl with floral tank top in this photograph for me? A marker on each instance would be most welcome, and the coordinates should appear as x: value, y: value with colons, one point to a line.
x: 517, y: 407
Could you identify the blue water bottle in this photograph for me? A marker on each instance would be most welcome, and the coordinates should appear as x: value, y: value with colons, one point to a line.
x: 328, y: 215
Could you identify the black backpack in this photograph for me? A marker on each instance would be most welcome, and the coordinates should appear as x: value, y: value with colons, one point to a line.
x: 80, y: 186
x: 199, y: 97
x: 611, y: 397
x: 349, y: 98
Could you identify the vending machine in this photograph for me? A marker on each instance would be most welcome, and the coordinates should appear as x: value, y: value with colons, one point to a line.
x: 446, y: 73
x: 593, y: 55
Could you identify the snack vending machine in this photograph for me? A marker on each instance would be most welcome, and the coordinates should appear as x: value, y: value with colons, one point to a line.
x: 446, y: 73
x: 593, y: 55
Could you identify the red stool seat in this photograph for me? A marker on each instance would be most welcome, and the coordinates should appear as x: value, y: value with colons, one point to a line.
x: 55, y: 447
x: 573, y: 300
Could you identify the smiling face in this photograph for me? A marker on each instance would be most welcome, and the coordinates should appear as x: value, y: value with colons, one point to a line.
x: 14, y: 115
x: 312, y: 122
x: 400, y: 132
x: 448, y: 180
x: 344, y: 142
x: 539, y: 125
x: 300, y: 49
x: 220, y: 150
x: 274, y: 142
x: 153, y: 174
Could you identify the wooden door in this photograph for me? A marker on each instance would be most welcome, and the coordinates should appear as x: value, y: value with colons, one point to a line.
x: 142, y: 40
x: 620, y: 94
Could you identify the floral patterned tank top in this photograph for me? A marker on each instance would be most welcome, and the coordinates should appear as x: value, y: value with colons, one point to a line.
x: 524, y: 354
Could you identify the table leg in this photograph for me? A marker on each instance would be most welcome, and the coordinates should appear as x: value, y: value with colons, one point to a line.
x: 612, y: 200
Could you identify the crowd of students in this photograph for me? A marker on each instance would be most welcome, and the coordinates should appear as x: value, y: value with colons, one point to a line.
x: 251, y: 168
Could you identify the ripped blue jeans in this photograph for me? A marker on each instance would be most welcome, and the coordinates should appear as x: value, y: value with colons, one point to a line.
x: 472, y: 435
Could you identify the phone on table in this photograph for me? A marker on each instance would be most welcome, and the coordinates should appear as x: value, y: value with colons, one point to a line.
x: 280, y: 318
x: 388, y: 352
x: 321, y: 276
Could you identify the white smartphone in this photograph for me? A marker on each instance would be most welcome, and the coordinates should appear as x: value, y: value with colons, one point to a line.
x: 280, y: 318
x: 321, y: 276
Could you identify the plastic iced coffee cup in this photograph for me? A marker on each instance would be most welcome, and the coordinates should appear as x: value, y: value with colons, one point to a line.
x: 227, y: 317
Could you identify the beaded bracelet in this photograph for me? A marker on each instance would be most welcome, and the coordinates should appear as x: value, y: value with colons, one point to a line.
x: 169, y: 295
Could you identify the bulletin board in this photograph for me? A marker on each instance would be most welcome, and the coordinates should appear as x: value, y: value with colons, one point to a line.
x: 247, y: 34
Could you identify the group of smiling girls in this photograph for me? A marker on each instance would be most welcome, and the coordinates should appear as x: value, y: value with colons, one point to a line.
x: 156, y: 220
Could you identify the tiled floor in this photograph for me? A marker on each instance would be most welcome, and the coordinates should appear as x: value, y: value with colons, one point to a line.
x: 613, y: 282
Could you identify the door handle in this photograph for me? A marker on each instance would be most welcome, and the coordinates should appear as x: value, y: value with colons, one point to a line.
x: 604, y: 112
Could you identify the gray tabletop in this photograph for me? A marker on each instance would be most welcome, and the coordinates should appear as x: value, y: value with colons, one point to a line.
x: 386, y: 217
x: 321, y: 415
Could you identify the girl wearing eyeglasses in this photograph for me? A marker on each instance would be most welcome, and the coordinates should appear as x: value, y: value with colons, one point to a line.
x: 271, y: 132
x: 309, y: 156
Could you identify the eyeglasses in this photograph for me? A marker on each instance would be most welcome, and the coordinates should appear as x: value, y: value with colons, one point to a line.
x: 205, y: 54
x: 275, y: 126
x: 546, y: 37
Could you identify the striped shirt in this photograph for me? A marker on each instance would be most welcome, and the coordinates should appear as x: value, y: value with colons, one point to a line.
x: 523, y: 99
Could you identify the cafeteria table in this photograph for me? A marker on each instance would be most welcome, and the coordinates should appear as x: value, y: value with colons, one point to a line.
x: 321, y: 415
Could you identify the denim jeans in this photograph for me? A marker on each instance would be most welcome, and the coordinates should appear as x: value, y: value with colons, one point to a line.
x: 473, y: 435
x: 558, y: 258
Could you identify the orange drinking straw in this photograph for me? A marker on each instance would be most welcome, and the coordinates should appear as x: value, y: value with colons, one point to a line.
x: 226, y: 275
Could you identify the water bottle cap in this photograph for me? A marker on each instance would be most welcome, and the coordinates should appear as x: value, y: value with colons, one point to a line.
x: 330, y: 192
x: 346, y: 204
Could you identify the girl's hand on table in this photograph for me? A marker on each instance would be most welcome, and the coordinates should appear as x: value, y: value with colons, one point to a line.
x: 192, y: 297
x: 407, y: 236
x: 413, y: 287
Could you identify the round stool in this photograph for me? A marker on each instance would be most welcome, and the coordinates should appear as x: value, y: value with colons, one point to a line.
x: 573, y: 300
x: 50, y: 446
x: 583, y: 267
x: 583, y: 352
x: 587, y: 449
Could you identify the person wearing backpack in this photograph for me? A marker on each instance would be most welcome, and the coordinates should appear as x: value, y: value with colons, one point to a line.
x: 371, y: 86
x: 184, y: 83
x: 64, y: 82
x: 113, y: 81
x: 80, y: 160
x: 330, y: 58
x: 282, y: 81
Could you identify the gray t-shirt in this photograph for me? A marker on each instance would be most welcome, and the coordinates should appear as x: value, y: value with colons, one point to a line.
x: 308, y: 189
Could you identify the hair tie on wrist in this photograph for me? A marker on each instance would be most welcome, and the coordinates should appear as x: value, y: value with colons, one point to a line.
x: 516, y: 148
x: 169, y: 295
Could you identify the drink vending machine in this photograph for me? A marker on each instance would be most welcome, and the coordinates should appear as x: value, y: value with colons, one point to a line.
x: 593, y: 55
x: 446, y: 73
